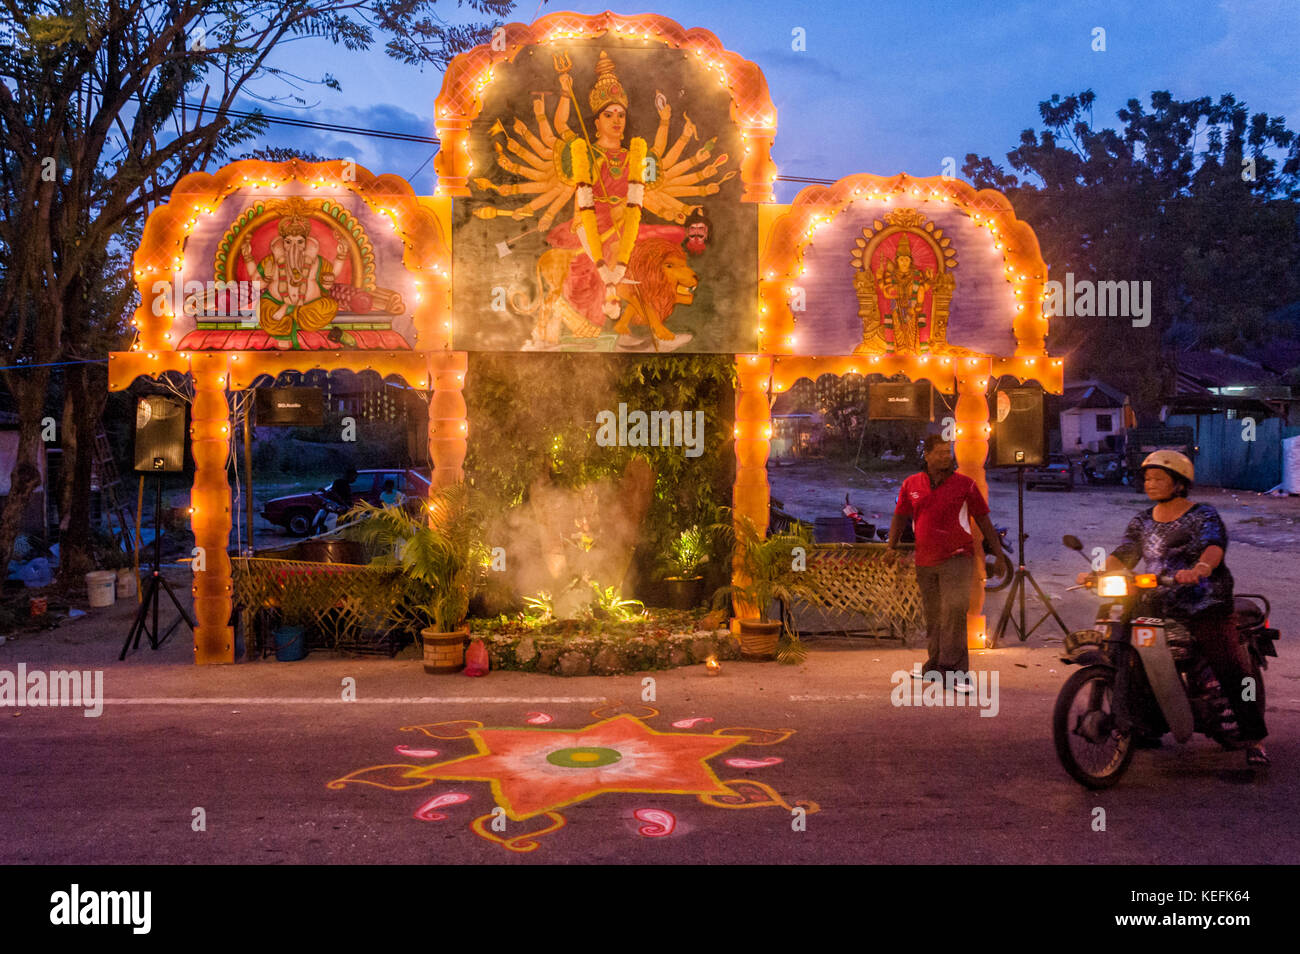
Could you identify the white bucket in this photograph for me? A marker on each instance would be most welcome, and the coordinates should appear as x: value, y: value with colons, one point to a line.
x: 125, y: 583
x: 101, y: 587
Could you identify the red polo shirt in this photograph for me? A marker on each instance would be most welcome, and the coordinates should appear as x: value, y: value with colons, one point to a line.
x: 935, y: 513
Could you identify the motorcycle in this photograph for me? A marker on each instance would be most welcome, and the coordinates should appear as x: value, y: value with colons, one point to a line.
x: 1142, y: 677
x: 1102, y: 469
x: 327, y: 517
x: 866, y: 532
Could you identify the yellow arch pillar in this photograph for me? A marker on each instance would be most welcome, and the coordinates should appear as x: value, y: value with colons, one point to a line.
x: 751, y: 494
x: 448, y: 425
x: 972, y: 448
x: 214, y: 640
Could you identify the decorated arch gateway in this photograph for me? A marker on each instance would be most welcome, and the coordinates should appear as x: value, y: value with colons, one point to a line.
x: 604, y: 185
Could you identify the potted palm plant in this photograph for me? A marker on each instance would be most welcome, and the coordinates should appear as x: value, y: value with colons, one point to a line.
x: 687, y: 553
x: 769, y: 569
x: 444, y: 562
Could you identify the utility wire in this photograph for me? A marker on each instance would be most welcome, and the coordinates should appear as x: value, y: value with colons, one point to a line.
x: 326, y: 127
x: 406, y: 137
x: 53, y: 364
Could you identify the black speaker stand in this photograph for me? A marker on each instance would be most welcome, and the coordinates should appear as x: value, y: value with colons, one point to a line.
x: 1022, y: 576
x: 153, y: 585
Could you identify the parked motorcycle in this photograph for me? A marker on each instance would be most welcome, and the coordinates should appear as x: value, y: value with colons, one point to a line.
x: 1102, y: 468
x: 863, y: 530
x: 327, y: 517
x: 1143, y: 677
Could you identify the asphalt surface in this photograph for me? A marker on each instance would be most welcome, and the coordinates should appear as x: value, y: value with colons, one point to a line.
x: 891, y: 784
x: 257, y: 744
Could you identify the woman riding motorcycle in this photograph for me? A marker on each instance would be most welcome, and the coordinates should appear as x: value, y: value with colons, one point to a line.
x: 1187, y: 540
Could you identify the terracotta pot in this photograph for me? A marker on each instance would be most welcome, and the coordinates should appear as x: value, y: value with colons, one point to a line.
x: 443, y: 652
x: 758, y: 640
x: 684, y: 594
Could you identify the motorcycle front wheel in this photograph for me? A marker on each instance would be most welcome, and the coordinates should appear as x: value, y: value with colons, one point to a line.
x: 1088, y: 743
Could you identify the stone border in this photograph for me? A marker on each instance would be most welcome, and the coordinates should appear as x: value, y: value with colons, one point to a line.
x: 606, y: 655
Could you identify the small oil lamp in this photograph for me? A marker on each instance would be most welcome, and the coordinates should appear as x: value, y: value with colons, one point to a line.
x: 712, y: 666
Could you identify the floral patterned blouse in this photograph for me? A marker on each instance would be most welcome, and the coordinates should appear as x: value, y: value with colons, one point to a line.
x: 1148, y: 539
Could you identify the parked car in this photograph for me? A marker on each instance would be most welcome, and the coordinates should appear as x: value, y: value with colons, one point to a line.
x: 295, y: 512
x: 1057, y: 472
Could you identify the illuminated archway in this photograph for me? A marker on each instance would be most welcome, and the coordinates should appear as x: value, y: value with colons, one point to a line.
x: 335, y: 199
x: 391, y: 274
x: 882, y: 206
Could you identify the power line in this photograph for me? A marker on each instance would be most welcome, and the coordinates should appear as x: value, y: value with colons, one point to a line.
x: 326, y: 127
x: 408, y: 137
x: 53, y: 364
x: 433, y: 140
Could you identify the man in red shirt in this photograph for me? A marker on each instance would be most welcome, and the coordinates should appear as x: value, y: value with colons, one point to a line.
x: 937, y: 501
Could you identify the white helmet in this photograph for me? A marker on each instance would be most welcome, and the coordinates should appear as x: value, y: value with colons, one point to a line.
x: 1174, y: 463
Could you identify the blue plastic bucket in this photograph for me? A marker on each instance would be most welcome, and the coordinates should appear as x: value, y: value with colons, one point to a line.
x: 290, y: 645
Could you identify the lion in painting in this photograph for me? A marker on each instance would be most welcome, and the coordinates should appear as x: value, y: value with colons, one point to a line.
x: 660, y: 281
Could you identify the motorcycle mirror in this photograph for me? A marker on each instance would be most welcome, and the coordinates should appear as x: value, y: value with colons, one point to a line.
x: 1073, y: 542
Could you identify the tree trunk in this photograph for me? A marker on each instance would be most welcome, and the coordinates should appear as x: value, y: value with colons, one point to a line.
x: 28, y: 389
x: 84, y: 395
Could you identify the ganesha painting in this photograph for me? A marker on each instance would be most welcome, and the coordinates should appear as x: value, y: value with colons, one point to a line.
x: 295, y: 274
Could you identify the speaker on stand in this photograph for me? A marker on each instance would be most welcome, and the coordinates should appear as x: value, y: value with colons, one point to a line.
x: 159, y: 435
x: 1019, y: 428
x: 1020, y: 441
x: 159, y: 449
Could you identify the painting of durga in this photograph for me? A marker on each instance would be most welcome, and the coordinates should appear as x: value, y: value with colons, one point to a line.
x: 618, y: 230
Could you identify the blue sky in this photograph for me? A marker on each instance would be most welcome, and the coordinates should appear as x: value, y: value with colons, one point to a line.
x: 882, y: 87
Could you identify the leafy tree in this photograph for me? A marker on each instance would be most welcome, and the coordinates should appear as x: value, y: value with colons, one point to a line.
x: 1196, y: 196
x: 104, y: 105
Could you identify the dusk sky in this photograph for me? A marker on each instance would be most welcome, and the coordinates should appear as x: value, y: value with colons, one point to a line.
x: 881, y: 87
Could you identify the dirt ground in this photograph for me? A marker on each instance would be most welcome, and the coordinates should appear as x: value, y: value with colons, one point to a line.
x: 1263, y: 532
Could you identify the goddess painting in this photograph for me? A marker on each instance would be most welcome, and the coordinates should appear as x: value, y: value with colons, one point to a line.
x: 605, y: 266
x: 905, y: 289
x: 904, y: 284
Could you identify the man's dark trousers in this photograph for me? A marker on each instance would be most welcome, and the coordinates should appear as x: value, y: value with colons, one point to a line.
x: 945, y: 598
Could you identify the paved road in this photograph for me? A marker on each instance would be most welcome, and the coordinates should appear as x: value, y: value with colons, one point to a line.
x: 256, y: 746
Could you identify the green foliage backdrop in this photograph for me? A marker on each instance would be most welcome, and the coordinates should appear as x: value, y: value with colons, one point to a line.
x: 534, y: 416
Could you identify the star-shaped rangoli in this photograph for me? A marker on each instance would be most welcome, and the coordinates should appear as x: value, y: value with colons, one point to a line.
x: 534, y: 771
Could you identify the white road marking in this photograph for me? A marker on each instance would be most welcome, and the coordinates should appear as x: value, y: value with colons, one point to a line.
x: 326, y: 701
x: 836, y: 698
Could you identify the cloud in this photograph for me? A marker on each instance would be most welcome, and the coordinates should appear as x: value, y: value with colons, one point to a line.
x: 790, y: 62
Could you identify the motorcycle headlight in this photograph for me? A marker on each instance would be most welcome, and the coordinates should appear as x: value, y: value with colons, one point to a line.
x: 1112, y: 586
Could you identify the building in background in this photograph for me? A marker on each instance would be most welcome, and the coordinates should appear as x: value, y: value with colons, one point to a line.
x: 1094, y: 417
x: 1240, y: 415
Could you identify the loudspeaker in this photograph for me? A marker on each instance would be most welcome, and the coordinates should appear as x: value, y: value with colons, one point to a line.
x: 1019, y: 428
x: 899, y: 401
x: 159, y: 435
x: 290, y: 407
